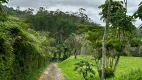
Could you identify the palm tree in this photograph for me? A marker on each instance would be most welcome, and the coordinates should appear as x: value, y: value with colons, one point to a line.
x: 74, y: 42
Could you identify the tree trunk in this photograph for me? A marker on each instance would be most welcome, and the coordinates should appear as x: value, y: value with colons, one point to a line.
x: 1, y: 10
x: 116, y: 63
x: 125, y: 1
x: 65, y: 55
x: 75, y: 54
x: 59, y: 55
x: 104, y: 41
x: 85, y: 75
x: 104, y: 53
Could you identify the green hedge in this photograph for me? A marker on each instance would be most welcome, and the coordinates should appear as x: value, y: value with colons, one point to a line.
x: 22, y: 50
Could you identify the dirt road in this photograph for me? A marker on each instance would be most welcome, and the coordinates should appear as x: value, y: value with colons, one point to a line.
x: 52, y: 73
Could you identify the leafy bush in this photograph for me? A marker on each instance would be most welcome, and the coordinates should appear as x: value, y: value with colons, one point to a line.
x: 84, y: 68
x: 22, y: 50
x: 108, y: 73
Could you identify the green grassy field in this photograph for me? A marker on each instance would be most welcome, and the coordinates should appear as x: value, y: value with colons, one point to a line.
x: 125, y: 65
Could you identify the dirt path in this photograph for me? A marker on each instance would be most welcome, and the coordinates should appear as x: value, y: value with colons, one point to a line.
x: 52, y: 73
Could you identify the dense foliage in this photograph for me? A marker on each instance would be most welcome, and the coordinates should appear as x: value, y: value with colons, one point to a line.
x: 85, y: 68
x: 59, y: 24
x: 22, y: 50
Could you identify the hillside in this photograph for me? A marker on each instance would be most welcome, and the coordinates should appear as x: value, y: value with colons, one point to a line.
x: 125, y: 66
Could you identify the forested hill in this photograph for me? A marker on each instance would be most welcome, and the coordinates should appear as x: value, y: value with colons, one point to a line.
x: 60, y: 24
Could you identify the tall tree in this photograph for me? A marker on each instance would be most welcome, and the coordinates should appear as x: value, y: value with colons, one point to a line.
x: 3, y: 16
x: 104, y: 39
x: 119, y: 21
x: 74, y: 42
x: 4, y: 1
x: 138, y: 13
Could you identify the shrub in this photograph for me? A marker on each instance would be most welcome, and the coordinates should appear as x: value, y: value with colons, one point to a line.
x: 84, y: 68
x: 22, y: 50
x: 108, y: 73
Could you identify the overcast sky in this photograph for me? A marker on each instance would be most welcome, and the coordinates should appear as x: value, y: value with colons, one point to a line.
x: 91, y: 6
